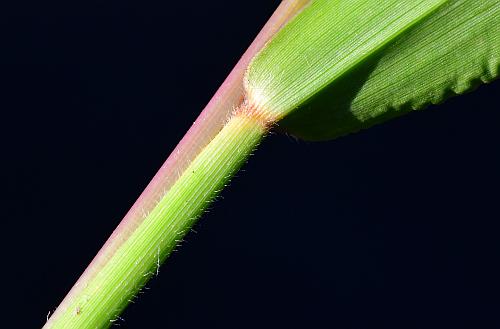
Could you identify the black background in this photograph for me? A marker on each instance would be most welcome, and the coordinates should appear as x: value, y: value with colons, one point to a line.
x: 393, y: 227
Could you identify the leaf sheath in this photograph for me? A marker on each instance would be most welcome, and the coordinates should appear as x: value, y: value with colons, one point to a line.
x: 138, y: 259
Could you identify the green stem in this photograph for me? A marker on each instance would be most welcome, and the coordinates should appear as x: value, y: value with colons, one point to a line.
x: 108, y: 293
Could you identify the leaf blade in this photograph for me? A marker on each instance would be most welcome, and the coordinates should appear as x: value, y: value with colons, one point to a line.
x: 450, y: 52
x: 323, y: 42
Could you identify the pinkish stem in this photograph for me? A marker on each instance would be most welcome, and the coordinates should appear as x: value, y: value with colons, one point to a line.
x: 207, y: 125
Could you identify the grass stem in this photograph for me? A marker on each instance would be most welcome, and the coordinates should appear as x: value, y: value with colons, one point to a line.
x: 99, y: 304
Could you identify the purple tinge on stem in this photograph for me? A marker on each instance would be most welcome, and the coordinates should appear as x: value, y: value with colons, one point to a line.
x: 211, y: 120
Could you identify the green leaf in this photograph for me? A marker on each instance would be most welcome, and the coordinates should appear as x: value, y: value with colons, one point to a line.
x: 438, y: 51
x: 322, y: 43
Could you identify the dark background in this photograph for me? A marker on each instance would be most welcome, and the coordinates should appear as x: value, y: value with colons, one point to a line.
x: 393, y: 227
